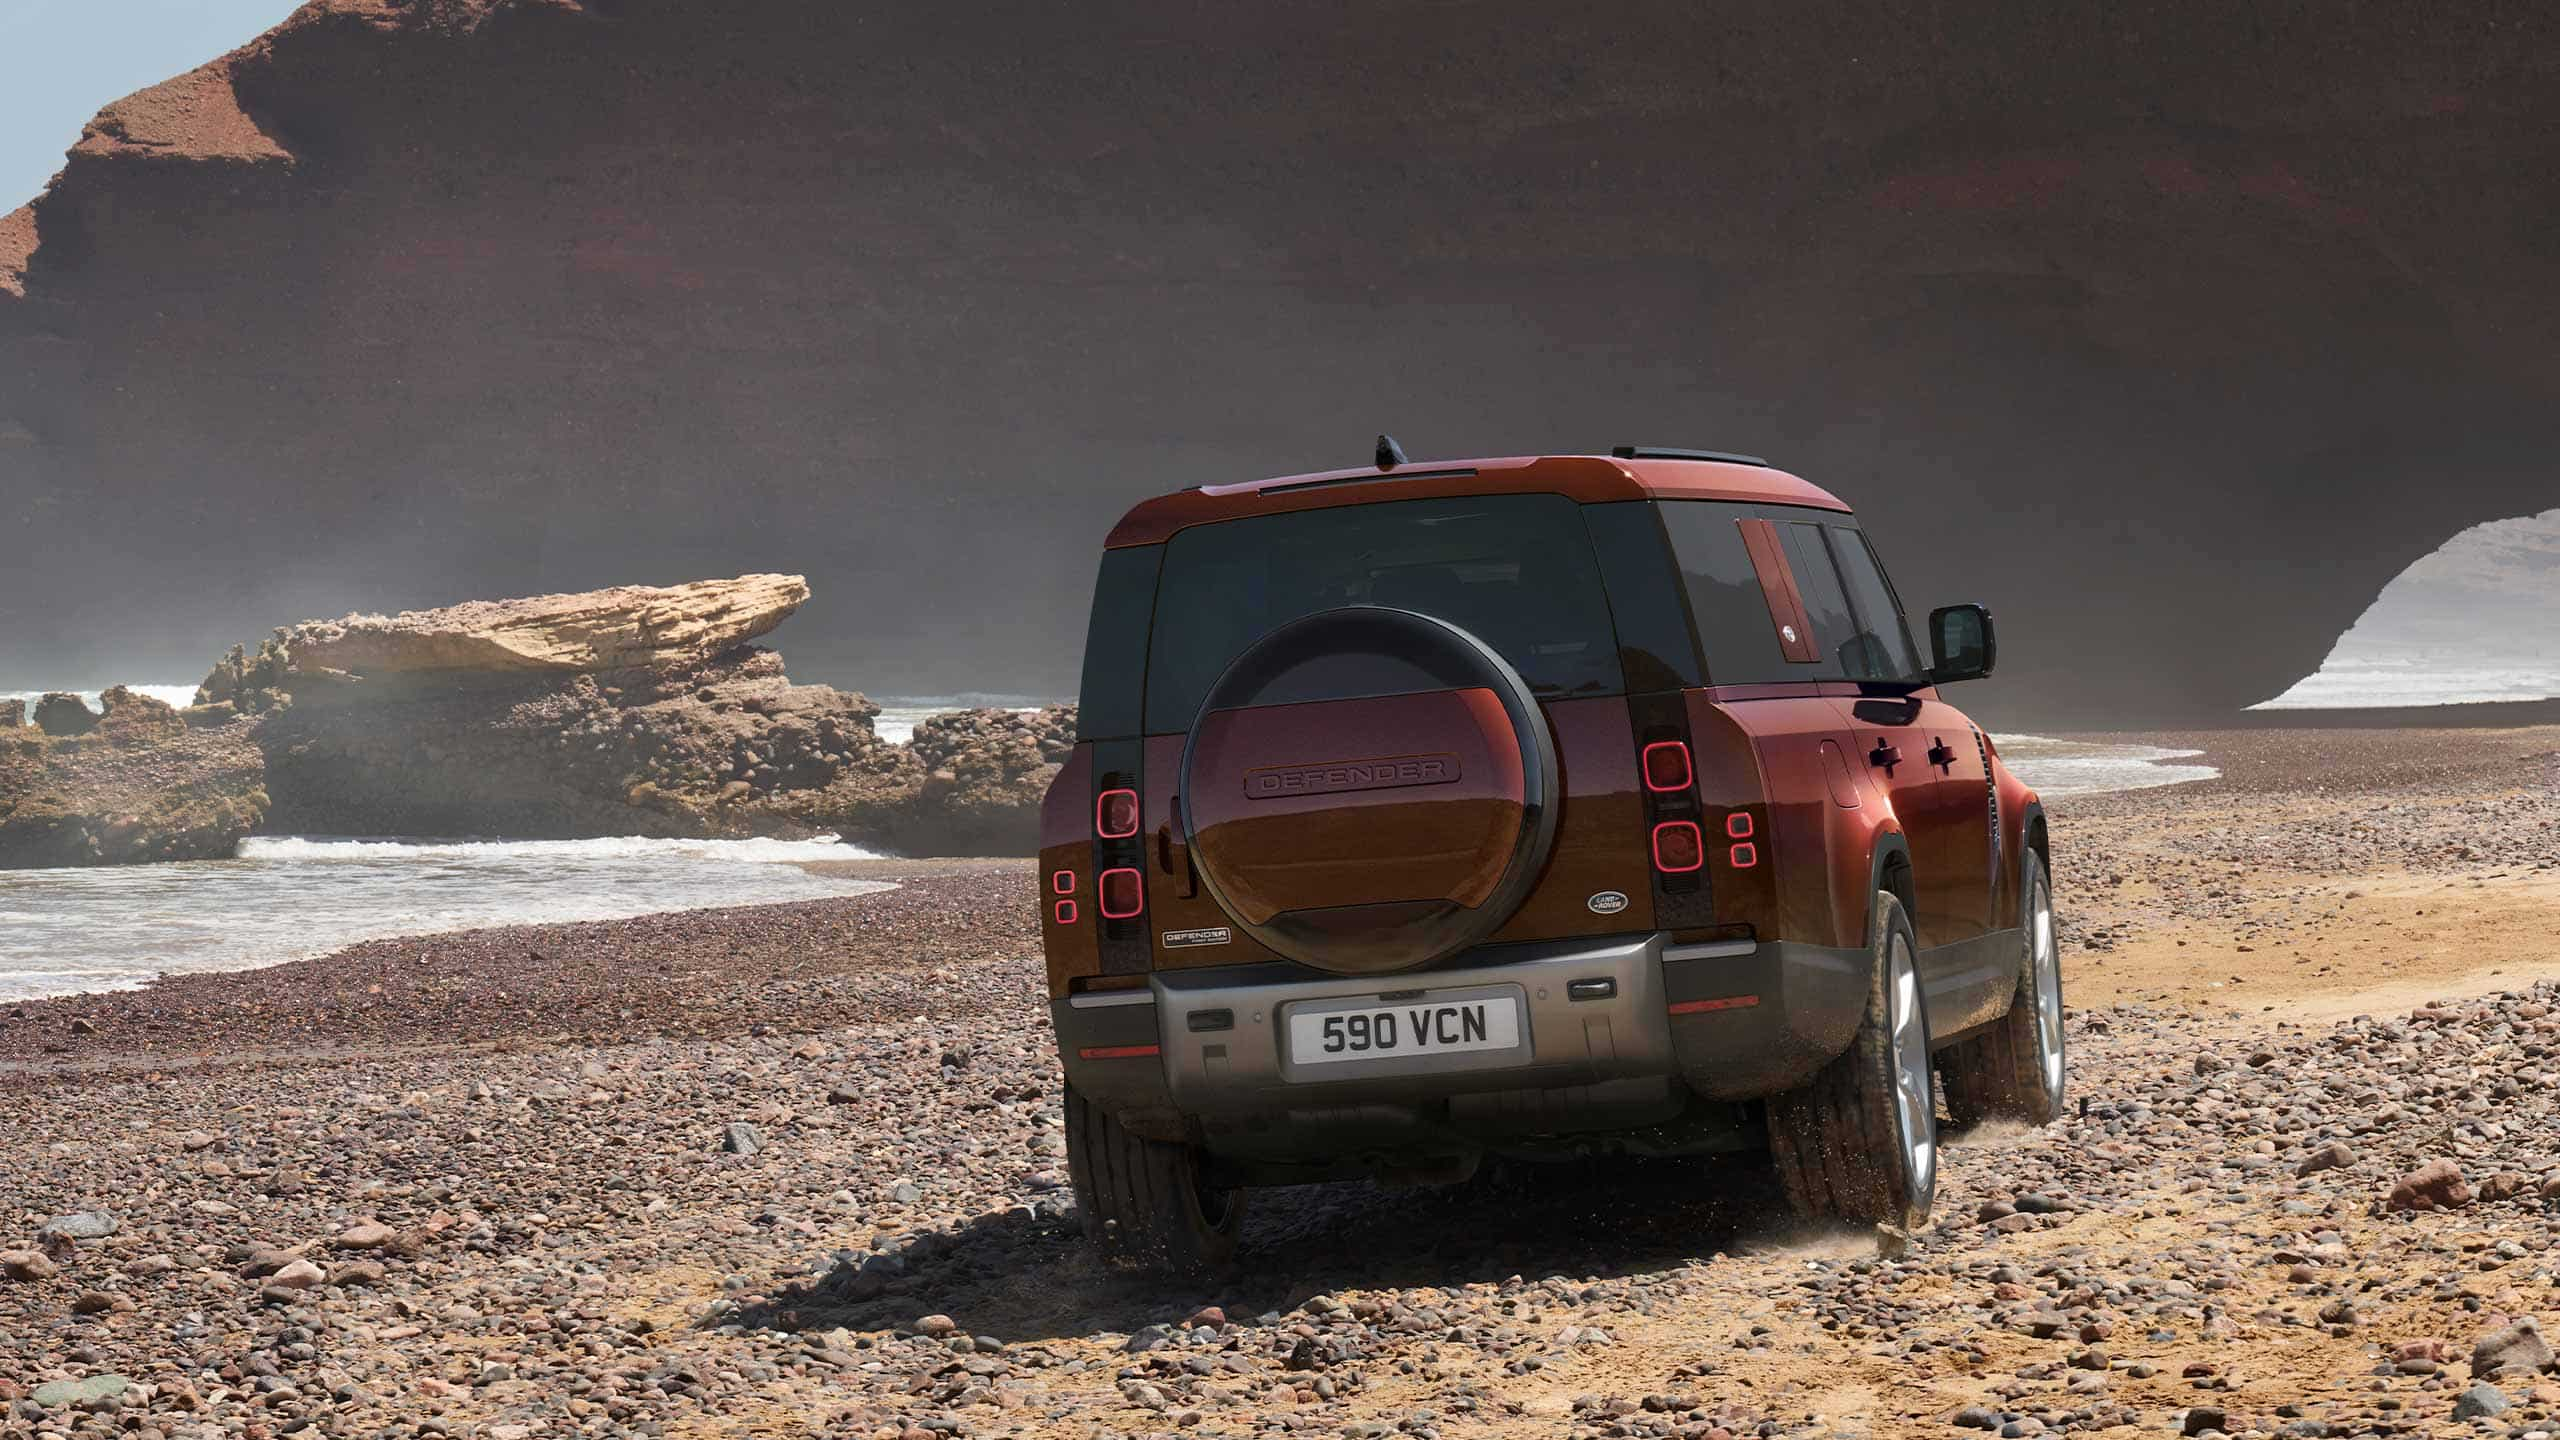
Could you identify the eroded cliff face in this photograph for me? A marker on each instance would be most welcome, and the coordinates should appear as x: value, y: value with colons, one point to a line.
x: 2171, y: 332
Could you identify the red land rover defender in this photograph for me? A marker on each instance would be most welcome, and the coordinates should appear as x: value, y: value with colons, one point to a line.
x: 1529, y: 807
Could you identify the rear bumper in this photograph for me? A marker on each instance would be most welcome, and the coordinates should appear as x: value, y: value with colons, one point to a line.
x: 1618, y: 1031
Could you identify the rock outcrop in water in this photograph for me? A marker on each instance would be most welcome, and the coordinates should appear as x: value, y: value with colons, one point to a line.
x: 139, y: 784
x: 629, y: 627
x: 628, y: 711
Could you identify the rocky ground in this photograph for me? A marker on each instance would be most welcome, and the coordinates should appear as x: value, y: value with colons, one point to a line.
x: 806, y: 1178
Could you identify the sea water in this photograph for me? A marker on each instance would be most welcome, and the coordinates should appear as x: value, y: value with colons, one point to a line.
x: 2056, y: 768
x: 288, y: 898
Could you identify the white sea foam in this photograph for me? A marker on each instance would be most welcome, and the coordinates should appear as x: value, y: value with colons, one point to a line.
x: 900, y: 714
x: 2083, y: 767
x: 291, y: 898
x: 181, y: 696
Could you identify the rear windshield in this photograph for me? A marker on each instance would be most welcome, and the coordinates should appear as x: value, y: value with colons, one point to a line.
x: 1516, y: 570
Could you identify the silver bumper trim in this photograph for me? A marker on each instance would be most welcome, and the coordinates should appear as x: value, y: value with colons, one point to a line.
x: 1111, y: 999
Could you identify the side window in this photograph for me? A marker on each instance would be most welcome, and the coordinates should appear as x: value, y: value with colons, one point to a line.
x: 1725, y: 600
x: 1115, y: 644
x: 1882, y: 637
x: 1654, y: 645
x: 1835, y: 627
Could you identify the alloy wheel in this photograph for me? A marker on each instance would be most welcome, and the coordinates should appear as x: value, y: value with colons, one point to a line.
x: 1915, y: 1103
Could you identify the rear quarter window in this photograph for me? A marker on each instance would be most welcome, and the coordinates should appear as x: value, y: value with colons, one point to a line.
x: 1516, y: 570
x: 1725, y: 602
x: 1109, y: 704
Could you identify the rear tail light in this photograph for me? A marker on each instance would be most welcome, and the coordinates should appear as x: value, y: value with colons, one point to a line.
x: 1066, y: 912
x: 1115, y: 814
x: 1063, y: 882
x: 1666, y: 766
x: 1678, y: 847
x: 1745, y: 856
x: 1737, y: 826
x: 1123, y: 893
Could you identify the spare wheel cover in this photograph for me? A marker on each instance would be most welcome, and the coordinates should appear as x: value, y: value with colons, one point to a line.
x: 1367, y: 790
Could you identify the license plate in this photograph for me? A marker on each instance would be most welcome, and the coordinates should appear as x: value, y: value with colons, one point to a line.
x: 1338, y: 1032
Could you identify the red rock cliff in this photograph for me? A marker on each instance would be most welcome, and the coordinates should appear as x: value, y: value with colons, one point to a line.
x: 2171, y: 331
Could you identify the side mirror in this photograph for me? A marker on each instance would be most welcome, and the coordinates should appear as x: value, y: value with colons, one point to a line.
x: 1962, y: 645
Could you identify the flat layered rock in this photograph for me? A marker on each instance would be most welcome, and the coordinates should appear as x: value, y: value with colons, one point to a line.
x: 627, y: 627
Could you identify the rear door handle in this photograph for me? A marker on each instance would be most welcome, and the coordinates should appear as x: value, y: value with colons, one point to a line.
x: 1943, y: 757
x: 1885, y: 756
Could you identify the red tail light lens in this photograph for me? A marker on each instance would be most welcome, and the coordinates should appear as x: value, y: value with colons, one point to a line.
x: 1745, y: 856
x: 1063, y: 882
x: 1115, y: 814
x: 1123, y: 894
x: 1678, y: 847
x: 1666, y: 766
x: 1737, y: 826
x: 1066, y: 912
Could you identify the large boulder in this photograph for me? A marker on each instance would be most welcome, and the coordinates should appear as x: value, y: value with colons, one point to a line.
x: 629, y: 627
x: 62, y: 714
x: 146, y: 788
x: 134, y: 718
x: 986, y: 772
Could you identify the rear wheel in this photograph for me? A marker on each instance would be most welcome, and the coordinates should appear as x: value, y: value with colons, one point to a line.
x: 1860, y: 1140
x: 2013, y: 1071
x: 1143, y: 1201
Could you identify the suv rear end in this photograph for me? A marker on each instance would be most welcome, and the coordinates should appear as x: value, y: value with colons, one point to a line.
x: 1406, y: 827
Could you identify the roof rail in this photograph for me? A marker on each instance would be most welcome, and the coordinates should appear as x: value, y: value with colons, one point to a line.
x: 1656, y: 452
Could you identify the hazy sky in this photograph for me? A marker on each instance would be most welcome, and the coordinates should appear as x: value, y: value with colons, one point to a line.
x: 61, y: 60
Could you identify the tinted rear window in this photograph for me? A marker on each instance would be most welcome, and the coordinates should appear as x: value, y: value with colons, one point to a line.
x: 1516, y: 570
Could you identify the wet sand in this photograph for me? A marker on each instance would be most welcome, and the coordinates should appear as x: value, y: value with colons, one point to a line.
x: 575, y: 1237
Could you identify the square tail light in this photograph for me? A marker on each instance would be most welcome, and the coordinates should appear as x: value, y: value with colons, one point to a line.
x: 1115, y: 814
x: 1063, y: 882
x: 1737, y: 826
x: 1666, y: 766
x: 1066, y: 912
x: 1123, y: 893
x: 1745, y: 856
x: 1678, y: 847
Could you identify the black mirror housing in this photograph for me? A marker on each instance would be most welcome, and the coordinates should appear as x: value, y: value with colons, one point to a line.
x: 1962, y: 644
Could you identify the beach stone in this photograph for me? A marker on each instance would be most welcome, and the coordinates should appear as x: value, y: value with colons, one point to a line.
x: 2518, y: 1347
x: 80, y: 1225
x: 2436, y: 1185
x: 2200, y: 1419
x: 937, y: 1326
x: 369, y: 1235
x: 2480, y: 1402
x: 357, y: 1272
x: 740, y: 1138
x: 2336, y: 1155
x: 26, y: 1265
x: 300, y: 1275
x: 63, y: 1394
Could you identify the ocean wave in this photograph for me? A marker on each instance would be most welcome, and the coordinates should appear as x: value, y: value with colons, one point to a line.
x: 2084, y: 767
x: 755, y: 851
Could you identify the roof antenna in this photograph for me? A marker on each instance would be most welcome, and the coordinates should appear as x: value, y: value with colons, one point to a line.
x: 1390, y: 454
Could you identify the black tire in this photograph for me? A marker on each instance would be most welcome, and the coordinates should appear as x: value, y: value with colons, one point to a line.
x: 1840, y: 1142
x: 2008, y: 1072
x: 1142, y: 1201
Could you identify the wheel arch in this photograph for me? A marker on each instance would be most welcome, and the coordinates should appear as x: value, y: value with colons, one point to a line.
x: 1889, y: 869
x: 2036, y: 841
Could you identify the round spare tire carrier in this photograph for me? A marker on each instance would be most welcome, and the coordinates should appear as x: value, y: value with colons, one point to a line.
x: 1367, y: 790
